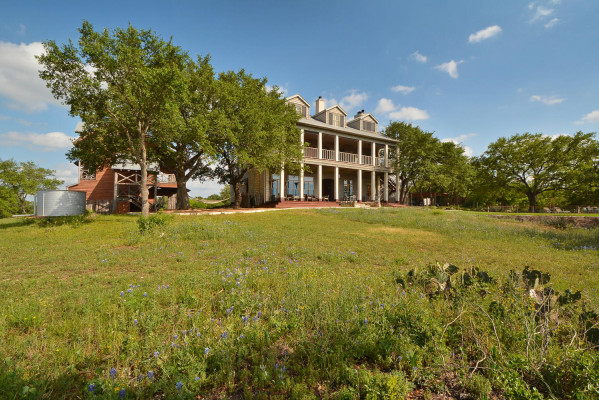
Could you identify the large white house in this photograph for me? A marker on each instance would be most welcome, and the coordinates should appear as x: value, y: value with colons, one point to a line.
x: 346, y: 160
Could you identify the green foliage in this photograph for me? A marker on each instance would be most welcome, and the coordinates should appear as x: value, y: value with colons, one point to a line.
x: 479, y: 387
x: 253, y: 128
x: 19, y: 180
x: 151, y: 223
x: 534, y: 164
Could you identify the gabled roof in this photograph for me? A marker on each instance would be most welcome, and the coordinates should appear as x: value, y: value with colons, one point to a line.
x: 364, y: 116
x: 330, y: 108
x: 300, y: 98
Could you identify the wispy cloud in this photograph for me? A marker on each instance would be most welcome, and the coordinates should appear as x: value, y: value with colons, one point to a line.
x: 543, y: 12
x: 592, y: 117
x: 552, y: 23
x: 450, y: 67
x: 37, y: 141
x: 384, y: 106
x: 484, y: 34
x: 549, y: 100
x: 353, y: 99
x: 403, y: 89
x: 419, y: 57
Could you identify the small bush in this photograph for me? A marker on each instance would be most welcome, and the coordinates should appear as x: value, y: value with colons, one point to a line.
x: 478, y: 386
x: 148, y: 224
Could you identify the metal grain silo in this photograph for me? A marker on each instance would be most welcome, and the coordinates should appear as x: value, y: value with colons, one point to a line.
x: 59, y: 203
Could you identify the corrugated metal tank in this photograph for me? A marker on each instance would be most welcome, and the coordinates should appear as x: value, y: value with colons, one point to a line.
x: 59, y: 203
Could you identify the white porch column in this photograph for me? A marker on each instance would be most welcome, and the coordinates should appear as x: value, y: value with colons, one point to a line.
x: 320, y: 145
x: 336, y: 147
x: 386, y: 190
x: 301, y: 182
x: 302, y: 141
x: 373, y: 154
x: 386, y: 155
x: 359, y: 197
x: 372, y: 186
x: 359, y: 151
x: 282, y: 185
x: 397, y: 199
x: 336, y: 184
x: 319, y: 182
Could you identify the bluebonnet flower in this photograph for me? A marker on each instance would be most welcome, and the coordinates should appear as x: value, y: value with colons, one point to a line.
x: 175, y: 336
x: 399, y: 358
x: 365, y: 321
x: 206, y: 351
x: 241, y: 336
x: 113, y: 373
x: 225, y: 335
x: 156, y: 354
x: 140, y: 378
x: 122, y: 393
x: 122, y: 294
x: 130, y: 291
x: 244, y: 319
x: 134, y: 322
x: 197, y: 378
x: 145, y: 294
x: 91, y: 387
x: 184, y: 332
x: 150, y: 375
x: 179, y: 385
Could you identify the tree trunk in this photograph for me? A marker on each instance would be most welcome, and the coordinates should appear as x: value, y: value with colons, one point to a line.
x: 182, y: 196
x: 532, y: 201
x: 237, y: 188
x: 145, y: 205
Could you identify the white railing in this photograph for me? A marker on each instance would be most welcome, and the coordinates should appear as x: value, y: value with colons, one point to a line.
x: 311, y: 152
x: 348, y: 157
x: 367, y: 160
x: 379, y: 161
x: 166, y: 178
x: 328, y: 154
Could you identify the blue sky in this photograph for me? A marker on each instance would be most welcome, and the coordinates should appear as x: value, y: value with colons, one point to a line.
x: 471, y: 71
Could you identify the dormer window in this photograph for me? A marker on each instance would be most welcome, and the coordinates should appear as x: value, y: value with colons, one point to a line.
x: 368, y: 126
x: 301, y: 110
x: 336, y: 119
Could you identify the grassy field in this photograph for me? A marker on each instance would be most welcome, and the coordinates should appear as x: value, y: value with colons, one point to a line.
x: 298, y: 304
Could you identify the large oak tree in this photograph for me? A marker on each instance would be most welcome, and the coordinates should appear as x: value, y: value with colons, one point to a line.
x: 120, y: 83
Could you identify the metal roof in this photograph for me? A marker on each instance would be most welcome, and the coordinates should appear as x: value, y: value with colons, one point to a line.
x: 349, y: 131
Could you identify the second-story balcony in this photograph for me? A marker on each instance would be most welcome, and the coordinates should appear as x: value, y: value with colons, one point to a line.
x: 351, y: 158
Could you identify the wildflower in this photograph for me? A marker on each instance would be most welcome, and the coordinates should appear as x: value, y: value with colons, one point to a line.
x: 91, y: 388
x: 150, y: 375
x: 241, y: 336
x: 130, y: 291
x: 206, y: 351
x: 179, y: 385
x: 225, y: 335
x: 175, y: 336
x: 122, y: 393
x: 156, y: 354
x: 140, y: 378
x: 365, y: 321
x: 197, y: 378
x: 113, y: 373
x: 244, y: 319
x: 145, y: 294
x: 134, y: 322
x: 122, y: 294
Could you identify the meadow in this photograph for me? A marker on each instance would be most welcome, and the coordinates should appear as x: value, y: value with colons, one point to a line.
x: 330, y: 303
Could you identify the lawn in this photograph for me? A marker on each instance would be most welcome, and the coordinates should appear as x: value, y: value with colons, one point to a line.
x: 300, y: 304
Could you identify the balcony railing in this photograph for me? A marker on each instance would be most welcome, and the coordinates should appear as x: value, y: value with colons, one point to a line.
x: 348, y: 157
x: 311, y: 152
x: 328, y: 154
x: 379, y: 161
x: 367, y: 160
x: 166, y: 178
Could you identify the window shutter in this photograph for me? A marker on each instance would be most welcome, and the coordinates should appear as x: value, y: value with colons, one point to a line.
x: 304, y: 111
x: 330, y: 118
x: 342, y: 119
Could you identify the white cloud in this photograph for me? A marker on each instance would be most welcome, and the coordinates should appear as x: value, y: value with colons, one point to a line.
x: 409, y: 114
x: 20, y: 84
x: 384, y: 106
x: 37, y: 141
x: 353, y: 100
x: 403, y: 89
x: 539, y: 12
x: 450, y: 67
x: 330, y: 102
x: 547, y: 100
x: 419, y: 57
x: 203, y: 189
x: 483, y: 34
x: 592, y: 117
x: 67, y: 172
x: 552, y: 23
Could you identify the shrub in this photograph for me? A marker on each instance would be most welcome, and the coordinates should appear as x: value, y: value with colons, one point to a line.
x: 148, y: 224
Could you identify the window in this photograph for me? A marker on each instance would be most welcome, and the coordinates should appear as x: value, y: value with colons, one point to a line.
x: 336, y: 119
x: 86, y: 175
x: 309, y: 185
x: 368, y: 126
x: 274, y: 186
x: 292, y: 185
x: 301, y: 109
x: 348, y: 188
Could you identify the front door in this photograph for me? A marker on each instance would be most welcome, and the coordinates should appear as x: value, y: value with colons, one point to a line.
x: 328, y: 189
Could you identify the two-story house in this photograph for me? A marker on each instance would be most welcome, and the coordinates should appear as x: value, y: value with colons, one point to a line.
x: 346, y: 160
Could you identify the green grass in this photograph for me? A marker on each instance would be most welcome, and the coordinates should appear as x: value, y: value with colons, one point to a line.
x: 293, y: 304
